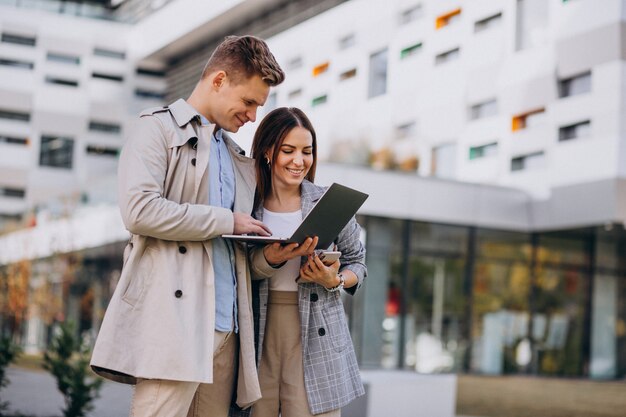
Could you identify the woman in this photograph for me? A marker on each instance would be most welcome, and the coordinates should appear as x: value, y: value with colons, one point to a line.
x: 307, y: 364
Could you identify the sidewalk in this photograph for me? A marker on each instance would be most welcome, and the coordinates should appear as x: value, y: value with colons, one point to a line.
x: 34, y: 393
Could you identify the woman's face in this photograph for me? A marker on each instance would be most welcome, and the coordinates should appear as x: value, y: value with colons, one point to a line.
x: 294, y: 158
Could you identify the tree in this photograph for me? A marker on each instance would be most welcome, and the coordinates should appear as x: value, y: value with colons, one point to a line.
x: 67, y: 359
x: 8, y: 353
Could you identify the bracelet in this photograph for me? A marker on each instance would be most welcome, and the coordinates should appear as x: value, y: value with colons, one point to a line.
x: 342, y: 281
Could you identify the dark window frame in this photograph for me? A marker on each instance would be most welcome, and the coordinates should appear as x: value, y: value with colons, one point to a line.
x: 16, y: 39
x: 17, y: 63
x: 96, y: 150
x: 61, y: 156
x: 14, y: 115
x: 104, y: 127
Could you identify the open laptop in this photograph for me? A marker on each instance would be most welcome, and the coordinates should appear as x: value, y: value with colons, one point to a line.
x: 325, y: 220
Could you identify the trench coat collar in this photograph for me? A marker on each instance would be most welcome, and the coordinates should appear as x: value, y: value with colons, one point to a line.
x: 232, y: 144
x: 183, y: 112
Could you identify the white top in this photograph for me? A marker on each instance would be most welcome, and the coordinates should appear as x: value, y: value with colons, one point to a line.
x: 283, y: 225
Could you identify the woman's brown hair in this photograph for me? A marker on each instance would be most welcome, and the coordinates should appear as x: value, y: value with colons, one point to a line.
x: 269, y: 137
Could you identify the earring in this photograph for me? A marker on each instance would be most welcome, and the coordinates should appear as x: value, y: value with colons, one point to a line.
x: 267, y: 160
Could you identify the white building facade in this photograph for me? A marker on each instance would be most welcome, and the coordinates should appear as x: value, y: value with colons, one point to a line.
x: 520, y: 93
x: 68, y: 87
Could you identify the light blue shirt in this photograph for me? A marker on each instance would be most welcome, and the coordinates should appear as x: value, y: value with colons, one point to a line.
x: 222, y: 194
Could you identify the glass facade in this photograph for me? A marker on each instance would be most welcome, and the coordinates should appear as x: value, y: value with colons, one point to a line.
x: 438, y: 299
x: 442, y: 298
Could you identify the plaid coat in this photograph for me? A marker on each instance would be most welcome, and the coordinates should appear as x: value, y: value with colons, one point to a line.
x: 331, y: 373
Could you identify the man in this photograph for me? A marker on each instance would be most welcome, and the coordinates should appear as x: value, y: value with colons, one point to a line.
x: 182, y: 304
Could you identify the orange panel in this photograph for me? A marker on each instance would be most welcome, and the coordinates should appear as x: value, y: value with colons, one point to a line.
x: 444, y: 19
x: 321, y: 68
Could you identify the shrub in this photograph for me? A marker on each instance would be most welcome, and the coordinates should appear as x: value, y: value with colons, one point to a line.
x: 8, y: 353
x: 67, y: 359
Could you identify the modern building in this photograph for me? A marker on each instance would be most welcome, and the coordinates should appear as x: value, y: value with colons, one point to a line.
x: 488, y: 134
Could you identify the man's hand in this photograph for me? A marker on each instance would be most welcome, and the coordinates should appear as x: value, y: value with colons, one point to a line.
x: 275, y: 254
x: 246, y: 224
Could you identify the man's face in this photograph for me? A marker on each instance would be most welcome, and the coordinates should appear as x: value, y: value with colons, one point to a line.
x: 238, y: 103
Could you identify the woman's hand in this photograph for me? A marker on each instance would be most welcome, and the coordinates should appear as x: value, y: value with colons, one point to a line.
x: 276, y: 254
x: 314, y: 270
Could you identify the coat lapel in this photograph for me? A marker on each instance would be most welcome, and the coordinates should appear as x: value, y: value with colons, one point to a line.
x: 311, y: 193
x: 202, y: 156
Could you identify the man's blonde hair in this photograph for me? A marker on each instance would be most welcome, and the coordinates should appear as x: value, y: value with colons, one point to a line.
x: 243, y: 57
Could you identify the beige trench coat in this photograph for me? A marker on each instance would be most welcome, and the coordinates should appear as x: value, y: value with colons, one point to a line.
x: 160, y: 321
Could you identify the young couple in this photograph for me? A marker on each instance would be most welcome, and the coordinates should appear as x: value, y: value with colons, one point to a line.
x: 203, y: 326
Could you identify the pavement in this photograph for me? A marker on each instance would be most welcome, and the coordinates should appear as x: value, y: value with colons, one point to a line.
x: 34, y: 393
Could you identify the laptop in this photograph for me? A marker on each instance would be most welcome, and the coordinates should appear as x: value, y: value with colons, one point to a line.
x: 326, y: 219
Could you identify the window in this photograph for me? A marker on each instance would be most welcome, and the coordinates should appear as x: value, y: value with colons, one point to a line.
x: 578, y: 84
x: 150, y: 73
x: 12, y: 140
x: 19, y: 39
x: 108, y: 53
x: 575, y: 131
x: 411, y: 14
x: 294, y: 93
x: 351, y: 73
x: 319, y: 100
x: 295, y: 63
x: 443, y: 161
x: 109, y: 77
x: 447, y: 18
x: 528, y: 119
x: 488, y: 23
x: 14, y: 115
x: 530, y: 161
x: 321, y: 68
x: 447, y: 56
x: 102, y: 151
x: 104, y: 127
x: 482, y: 151
x: 16, y: 63
x: 12, y: 192
x: 405, y: 130
x: 61, y: 81
x: 484, y: 109
x: 378, y: 74
x: 149, y: 94
x: 63, y: 59
x: 56, y: 152
x: 410, y: 50
x: 347, y: 41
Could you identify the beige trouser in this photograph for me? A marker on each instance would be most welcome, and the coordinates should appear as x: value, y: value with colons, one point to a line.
x: 281, y: 371
x: 164, y: 398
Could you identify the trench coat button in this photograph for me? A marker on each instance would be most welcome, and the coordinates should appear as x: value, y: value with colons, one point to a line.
x: 182, y: 249
x: 321, y: 331
x: 193, y: 162
x: 178, y: 294
x: 314, y: 297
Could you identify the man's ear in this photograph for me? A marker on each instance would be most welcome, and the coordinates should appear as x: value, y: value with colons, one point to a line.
x: 218, y: 79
